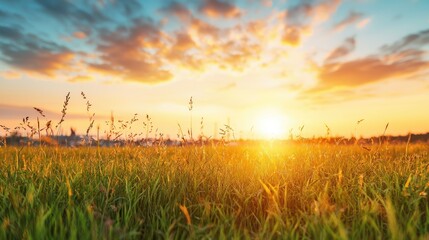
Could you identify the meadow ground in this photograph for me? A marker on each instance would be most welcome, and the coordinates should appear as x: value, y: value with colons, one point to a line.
x: 264, y: 191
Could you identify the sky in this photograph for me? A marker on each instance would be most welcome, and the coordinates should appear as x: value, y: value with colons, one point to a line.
x: 266, y: 68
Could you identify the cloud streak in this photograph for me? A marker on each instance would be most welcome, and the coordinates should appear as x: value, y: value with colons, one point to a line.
x: 415, y: 40
x: 350, y: 19
x: 178, y: 10
x: 367, y: 70
x: 343, y: 50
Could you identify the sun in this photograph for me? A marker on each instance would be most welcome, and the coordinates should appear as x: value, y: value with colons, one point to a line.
x: 271, y: 125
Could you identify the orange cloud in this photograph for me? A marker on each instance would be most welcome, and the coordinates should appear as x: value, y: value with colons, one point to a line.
x: 292, y: 36
x: 131, y: 54
x: 304, y: 17
x: 79, y: 35
x: 367, y: 70
x: 178, y: 52
x: 184, y: 42
x: 142, y: 52
x: 202, y: 28
x: 219, y: 8
x: 403, y: 59
x: 10, y: 75
x: 238, y: 54
x: 232, y: 51
x: 80, y: 79
x: 256, y: 28
x: 325, y: 9
x: 203, y: 44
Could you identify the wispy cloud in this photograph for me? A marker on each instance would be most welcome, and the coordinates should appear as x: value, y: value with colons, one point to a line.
x: 399, y: 60
x: 10, y: 75
x: 220, y: 8
x: 411, y: 41
x: 80, y: 35
x: 228, y: 87
x: 178, y: 10
x: 363, y: 23
x: 367, y: 70
x: 69, y: 11
x: 80, y: 79
x: 343, y: 50
x: 350, y: 19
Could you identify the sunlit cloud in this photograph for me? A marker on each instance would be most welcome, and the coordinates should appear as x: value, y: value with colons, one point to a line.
x: 10, y: 75
x: 398, y: 60
x: 131, y: 53
x: 80, y: 79
x: 219, y: 8
x: 302, y: 18
x: 144, y: 52
x: 80, y: 35
x: 42, y: 62
x: 292, y: 36
x: 367, y: 70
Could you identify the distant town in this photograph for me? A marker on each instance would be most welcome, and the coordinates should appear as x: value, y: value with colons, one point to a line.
x: 74, y: 140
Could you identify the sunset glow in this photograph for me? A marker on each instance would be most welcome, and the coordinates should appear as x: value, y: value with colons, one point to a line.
x: 272, y: 125
x: 214, y: 119
x: 318, y: 62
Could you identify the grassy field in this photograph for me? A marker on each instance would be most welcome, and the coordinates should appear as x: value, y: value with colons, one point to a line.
x: 214, y: 192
